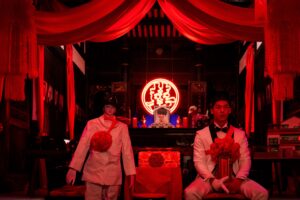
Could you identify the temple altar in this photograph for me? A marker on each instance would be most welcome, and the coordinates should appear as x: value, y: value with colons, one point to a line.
x: 162, y: 137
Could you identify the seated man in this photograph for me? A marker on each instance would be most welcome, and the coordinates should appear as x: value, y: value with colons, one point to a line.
x: 161, y: 118
x: 206, y: 158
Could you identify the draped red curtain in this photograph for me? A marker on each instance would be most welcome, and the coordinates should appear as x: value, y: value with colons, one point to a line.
x: 15, y: 87
x: 208, y: 22
x: 70, y: 89
x: 18, y: 47
x: 282, y: 37
x: 249, y: 91
x: 1, y: 86
x: 99, y: 21
x: 188, y: 27
x: 40, y: 90
x: 213, y: 22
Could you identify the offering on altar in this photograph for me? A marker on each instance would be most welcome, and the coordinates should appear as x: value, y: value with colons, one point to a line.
x: 161, y: 118
x: 144, y: 125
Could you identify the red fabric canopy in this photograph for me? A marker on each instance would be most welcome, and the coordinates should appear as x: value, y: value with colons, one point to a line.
x: 202, y: 21
x: 208, y: 22
x: 107, y: 20
x: 191, y: 29
x: 192, y: 18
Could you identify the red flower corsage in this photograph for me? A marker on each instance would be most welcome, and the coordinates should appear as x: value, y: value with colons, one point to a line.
x: 101, y: 141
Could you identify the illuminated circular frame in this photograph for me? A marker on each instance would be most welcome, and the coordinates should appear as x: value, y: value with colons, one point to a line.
x: 163, y: 82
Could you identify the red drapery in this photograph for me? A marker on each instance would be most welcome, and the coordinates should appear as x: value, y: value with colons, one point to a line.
x: 191, y: 29
x: 207, y: 22
x: 18, y: 47
x: 200, y: 20
x: 70, y: 90
x: 40, y: 91
x: 249, y: 91
x: 15, y: 87
x: 282, y: 37
x: 107, y: 20
x: 229, y: 13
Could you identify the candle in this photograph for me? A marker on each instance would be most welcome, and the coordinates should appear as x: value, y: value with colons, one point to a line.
x: 185, y: 122
x: 134, y: 122
x: 178, y: 122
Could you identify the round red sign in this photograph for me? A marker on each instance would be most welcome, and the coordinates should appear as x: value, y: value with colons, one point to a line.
x: 160, y: 92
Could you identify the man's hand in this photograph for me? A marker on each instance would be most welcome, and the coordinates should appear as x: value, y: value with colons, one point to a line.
x: 218, y: 184
x: 234, y: 185
x: 131, y: 182
x: 71, y: 176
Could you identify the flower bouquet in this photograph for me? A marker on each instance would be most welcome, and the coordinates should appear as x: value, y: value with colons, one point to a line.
x: 224, y: 152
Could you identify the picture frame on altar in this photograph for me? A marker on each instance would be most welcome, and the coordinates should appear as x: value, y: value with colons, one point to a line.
x: 161, y: 115
x: 161, y: 118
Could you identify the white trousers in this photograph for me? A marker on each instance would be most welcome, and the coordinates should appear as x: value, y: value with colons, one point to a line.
x: 249, y: 188
x: 101, y: 192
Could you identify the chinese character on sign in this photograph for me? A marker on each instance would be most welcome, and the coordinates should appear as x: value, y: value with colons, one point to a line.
x: 160, y: 92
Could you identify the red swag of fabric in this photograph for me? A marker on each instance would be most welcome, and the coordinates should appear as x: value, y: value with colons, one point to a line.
x: 111, y: 20
x: 190, y: 28
x: 198, y: 17
x: 228, y: 13
x: 199, y: 22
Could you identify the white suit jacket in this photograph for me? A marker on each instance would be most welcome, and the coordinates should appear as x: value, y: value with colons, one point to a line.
x: 204, y: 163
x: 104, y: 168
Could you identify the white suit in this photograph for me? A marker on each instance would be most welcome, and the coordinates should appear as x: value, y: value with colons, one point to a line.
x: 205, y: 165
x: 104, y: 168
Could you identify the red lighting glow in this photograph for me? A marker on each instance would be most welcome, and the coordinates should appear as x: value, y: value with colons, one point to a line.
x: 160, y: 92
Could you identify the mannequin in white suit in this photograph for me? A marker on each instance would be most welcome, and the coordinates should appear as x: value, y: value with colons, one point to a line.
x: 102, y: 170
x: 206, y: 181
